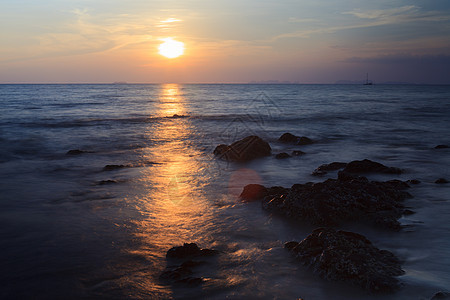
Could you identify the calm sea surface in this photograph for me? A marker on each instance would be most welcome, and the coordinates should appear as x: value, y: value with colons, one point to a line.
x: 69, y: 229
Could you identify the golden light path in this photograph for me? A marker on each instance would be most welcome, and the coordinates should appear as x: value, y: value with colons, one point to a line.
x: 171, y: 48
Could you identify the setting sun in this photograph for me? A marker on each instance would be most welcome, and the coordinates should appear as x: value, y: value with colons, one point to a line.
x: 171, y: 48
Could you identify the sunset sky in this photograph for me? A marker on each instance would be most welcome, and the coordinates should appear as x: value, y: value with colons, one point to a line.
x: 230, y: 41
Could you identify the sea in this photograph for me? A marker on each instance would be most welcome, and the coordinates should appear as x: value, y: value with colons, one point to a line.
x: 72, y: 229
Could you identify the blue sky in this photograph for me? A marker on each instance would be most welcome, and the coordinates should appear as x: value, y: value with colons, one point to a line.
x: 226, y: 41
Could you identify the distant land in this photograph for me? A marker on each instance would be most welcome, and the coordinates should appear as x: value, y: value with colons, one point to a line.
x: 337, y: 82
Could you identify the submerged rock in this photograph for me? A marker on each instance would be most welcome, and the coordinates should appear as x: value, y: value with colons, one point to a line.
x: 113, y: 167
x: 289, y: 138
x: 441, y: 296
x: 297, y: 153
x: 282, y: 155
x: 368, y: 166
x: 347, y: 256
x: 243, y: 150
x: 189, y: 250
x: 441, y: 181
x: 442, y: 147
x: 75, y: 152
x: 348, y: 198
x: 106, y: 182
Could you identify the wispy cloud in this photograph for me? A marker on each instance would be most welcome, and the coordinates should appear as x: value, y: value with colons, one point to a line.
x: 403, y: 58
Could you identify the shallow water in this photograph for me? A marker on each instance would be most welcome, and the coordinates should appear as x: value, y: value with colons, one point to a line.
x: 64, y: 234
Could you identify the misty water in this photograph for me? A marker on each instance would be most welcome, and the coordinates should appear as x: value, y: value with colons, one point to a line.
x: 71, y: 229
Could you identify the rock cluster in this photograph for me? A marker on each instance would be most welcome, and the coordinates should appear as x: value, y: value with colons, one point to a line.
x: 347, y: 256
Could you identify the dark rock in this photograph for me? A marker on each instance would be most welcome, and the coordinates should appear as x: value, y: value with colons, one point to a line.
x: 350, y: 257
x: 189, y: 250
x: 282, y: 155
x: 408, y: 212
x: 323, y: 169
x: 75, y: 152
x: 297, y: 153
x: 442, y: 147
x: 243, y: 150
x: 289, y: 138
x: 413, y: 181
x: 368, y: 166
x: 441, y: 181
x: 105, y: 182
x: 253, y: 192
x: 349, y: 198
x: 442, y: 295
x: 113, y: 167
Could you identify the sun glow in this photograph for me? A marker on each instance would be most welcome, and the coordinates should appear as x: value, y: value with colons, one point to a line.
x: 171, y: 48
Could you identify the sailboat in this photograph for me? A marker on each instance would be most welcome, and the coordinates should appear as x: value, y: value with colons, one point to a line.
x: 367, y: 80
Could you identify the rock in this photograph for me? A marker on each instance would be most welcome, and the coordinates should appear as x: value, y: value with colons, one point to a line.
x: 350, y: 257
x: 243, y: 150
x: 335, y: 201
x: 282, y: 155
x: 253, y: 192
x: 289, y: 138
x: 442, y: 147
x: 75, y: 152
x: 297, y: 153
x: 323, y: 169
x: 368, y: 166
x: 113, y: 167
x: 189, y: 250
x: 441, y: 181
x: 442, y: 295
x: 105, y: 182
x: 413, y: 181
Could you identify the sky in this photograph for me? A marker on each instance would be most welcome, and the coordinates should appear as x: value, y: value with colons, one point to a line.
x: 226, y: 41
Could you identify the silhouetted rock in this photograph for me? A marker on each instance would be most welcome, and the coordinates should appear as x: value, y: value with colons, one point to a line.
x: 348, y: 198
x: 297, y: 153
x: 113, y: 167
x: 323, y: 169
x: 75, y: 152
x: 282, y: 155
x: 105, y: 182
x: 441, y: 181
x: 289, y: 138
x: 350, y: 257
x: 442, y: 147
x: 189, y: 250
x: 253, y: 192
x: 442, y: 295
x: 243, y: 150
x: 368, y: 166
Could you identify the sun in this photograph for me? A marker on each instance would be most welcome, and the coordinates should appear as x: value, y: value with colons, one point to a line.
x: 171, y: 48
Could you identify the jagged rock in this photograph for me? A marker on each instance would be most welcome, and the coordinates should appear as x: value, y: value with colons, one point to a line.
x: 243, y: 150
x: 323, y: 169
x: 297, y: 153
x: 282, y: 155
x: 114, y: 167
x: 368, y: 166
x: 289, y: 138
x: 189, y: 250
x: 75, y: 152
x: 441, y: 181
x: 348, y: 198
x: 350, y: 257
x: 442, y: 147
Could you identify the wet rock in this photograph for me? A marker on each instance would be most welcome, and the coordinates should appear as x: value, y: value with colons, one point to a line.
x: 289, y: 138
x: 253, y: 192
x: 323, y: 169
x: 113, y: 167
x: 189, y: 250
x: 441, y: 181
x: 282, y: 155
x: 413, y: 181
x: 75, y: 152
x: 368, y: 166
x: 106, y: 182
x: 297, y: 153
x: 442, y: 295
x: 243, y: 150
x: 348, y: 198
x: 350, y: 257
x: 442, y: 147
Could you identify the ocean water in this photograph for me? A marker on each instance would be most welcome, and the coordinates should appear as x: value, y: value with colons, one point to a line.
x: 70, y: 229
